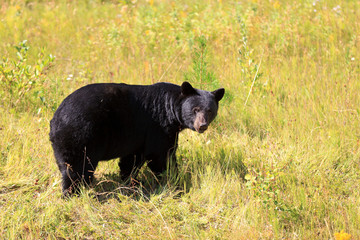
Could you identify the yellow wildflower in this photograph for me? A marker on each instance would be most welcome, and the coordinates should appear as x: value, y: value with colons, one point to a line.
x: 342, y: 236
x: 276, y: 4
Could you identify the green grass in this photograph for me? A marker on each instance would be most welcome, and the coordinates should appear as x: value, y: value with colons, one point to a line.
x: 283, y: 164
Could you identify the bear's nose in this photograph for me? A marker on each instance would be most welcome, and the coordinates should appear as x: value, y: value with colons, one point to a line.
x: 203, y: 127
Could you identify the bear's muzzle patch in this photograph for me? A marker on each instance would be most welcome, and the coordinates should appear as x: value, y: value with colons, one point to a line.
x: 200, y: 123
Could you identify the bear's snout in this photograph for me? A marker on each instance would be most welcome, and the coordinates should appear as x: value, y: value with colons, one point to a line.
x: 202, y: 128
x: 200, y: 123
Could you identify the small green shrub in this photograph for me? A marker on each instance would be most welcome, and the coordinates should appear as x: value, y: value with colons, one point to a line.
x: 200, y: 73
x: 22, y: 83
x: 266, y: 189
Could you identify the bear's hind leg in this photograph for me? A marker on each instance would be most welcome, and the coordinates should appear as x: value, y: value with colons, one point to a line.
x: 76, y: 173
x: 70, y: 182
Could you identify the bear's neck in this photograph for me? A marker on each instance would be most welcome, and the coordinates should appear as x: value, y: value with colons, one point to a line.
x: 165, y: 110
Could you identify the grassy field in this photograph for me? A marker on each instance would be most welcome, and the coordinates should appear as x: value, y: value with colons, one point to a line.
x: 281, y: 161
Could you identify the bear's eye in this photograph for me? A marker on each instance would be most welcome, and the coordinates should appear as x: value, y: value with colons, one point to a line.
x: 196, y: 110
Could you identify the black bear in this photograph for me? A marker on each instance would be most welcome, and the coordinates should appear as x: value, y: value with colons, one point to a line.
x: 132, y: 122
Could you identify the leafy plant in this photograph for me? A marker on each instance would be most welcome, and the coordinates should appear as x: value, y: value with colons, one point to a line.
x: 200, y: 73
x: 249, y: 68
x: 21, y: 82
x: 265, y: 188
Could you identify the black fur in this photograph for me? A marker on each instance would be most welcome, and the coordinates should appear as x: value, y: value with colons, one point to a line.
x: 136, y: 123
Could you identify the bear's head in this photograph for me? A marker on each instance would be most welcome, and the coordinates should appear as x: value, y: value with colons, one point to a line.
x: 199, y: 108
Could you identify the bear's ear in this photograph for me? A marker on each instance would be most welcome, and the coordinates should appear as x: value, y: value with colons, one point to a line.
x: 187, y: 89
x: 219, y: 93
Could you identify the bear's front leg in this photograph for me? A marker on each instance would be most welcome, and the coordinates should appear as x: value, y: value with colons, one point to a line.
x: 160, y: 149
x: 158, y: 164
x: 166, y: 160
x: 130, y: 165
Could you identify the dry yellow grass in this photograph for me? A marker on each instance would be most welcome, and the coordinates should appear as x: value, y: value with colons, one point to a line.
x: 297, y: 137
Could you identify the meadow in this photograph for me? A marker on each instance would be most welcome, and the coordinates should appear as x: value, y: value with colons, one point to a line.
x: 281, y: 161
